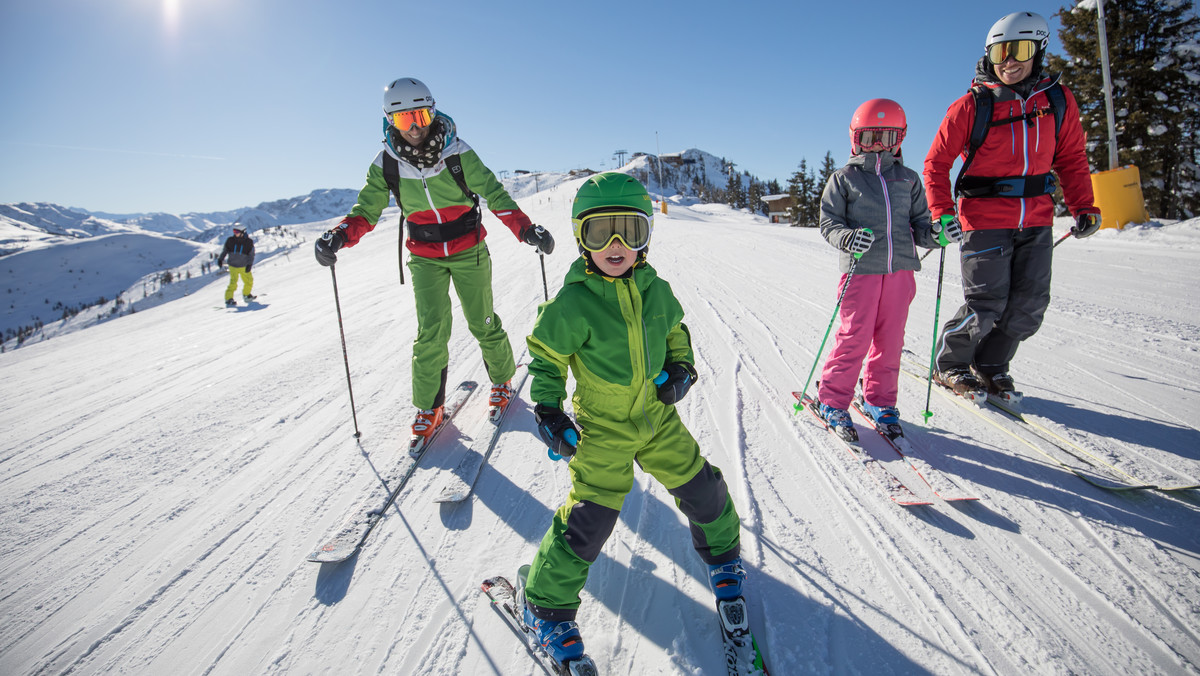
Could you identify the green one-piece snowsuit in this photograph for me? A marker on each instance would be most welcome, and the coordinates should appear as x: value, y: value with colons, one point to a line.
x: 615, y: 336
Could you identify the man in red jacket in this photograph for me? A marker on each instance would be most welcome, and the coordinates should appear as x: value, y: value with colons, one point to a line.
x: 1004, y: 204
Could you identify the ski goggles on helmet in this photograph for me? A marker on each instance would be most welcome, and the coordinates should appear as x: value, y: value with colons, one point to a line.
x: 1020, y: 51
x: 890, y: 137
x: 407, y: 119
x: 596, y: 231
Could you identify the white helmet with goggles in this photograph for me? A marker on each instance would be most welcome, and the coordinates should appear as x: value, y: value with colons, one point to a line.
x: 1021, y: 35
x: 407, y: 102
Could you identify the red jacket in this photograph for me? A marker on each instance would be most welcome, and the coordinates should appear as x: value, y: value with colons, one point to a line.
x: 1014, y: 149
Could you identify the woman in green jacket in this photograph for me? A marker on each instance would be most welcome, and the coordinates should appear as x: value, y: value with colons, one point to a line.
x: 437, y: 179
x: 617, y: 327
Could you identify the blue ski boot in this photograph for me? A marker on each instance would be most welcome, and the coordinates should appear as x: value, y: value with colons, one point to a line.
x: 838, y: 421
x: 726, y: 579
x: 561, y: 640
x: 882, y: 415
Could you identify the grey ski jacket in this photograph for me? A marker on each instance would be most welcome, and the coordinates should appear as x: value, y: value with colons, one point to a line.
x: 876, y: 191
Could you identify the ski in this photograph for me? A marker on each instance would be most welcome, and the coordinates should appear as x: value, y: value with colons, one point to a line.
x: 1067, y: 446
x: 353, y: 534
x: 742, y: 654
x: 940, y: 483
x: 459, y: 485
x: 891, y: 484
x: 1021, y: 433
x: 507, y: 602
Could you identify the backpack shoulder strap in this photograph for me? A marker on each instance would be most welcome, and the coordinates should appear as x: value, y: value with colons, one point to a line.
x: 391, y: 175
x: 1058, y: 104
x: 979, y: 130
x: 454, y: 165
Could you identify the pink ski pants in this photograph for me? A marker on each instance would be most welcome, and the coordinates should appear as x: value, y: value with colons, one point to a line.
x: 873, y: 315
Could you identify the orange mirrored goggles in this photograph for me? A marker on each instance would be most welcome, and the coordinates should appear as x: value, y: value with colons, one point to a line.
x: 1019, y: 50
x: 407, y: 119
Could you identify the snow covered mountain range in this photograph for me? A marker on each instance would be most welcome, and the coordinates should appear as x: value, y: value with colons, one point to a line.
x: 61, y: 265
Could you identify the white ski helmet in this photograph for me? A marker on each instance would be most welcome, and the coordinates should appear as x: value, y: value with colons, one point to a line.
x: 1020, y: 26
x: 406, y: 93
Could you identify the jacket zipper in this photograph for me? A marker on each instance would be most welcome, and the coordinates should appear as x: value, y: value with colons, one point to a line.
x: 887, y: 203
x: 438, y: 214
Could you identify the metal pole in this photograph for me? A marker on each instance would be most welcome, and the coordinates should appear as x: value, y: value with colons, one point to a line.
x: 1108, y: 99
x: 345, y: 356
x: 937, y: 308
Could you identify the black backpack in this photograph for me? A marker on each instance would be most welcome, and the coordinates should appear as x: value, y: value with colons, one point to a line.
x: 999, y: 186
x: 437, y: 232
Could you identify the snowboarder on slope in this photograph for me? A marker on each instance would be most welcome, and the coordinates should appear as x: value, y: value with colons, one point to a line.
x: 616, y: 326
x: 874, y: 206
x: 445, y: 240
x: 240, y: 250
x: 1005, y: 204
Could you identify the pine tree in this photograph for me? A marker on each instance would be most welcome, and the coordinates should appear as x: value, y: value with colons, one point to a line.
x: 828, y: 166
x: 1155, y: 73
x: 802, y: 186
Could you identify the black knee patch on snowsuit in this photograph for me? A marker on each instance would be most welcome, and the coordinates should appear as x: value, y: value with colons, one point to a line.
x: 703, y: 499
x: 588, y: 528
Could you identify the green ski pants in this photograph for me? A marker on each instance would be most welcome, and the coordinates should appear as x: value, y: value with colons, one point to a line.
x: 601, y: 476
x: 234, y: 275
x: 471, y: 271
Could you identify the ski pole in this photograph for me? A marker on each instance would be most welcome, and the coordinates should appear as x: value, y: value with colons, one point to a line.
x: 542, y: 257
x: 345, y: 356
x: 1062, y: 239
x: 849, y: 276
x: 937, y: 308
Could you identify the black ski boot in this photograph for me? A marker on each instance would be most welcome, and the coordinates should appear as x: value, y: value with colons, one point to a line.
x: 962, y: 382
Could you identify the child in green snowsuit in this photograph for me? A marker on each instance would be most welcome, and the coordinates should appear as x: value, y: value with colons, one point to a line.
x: 617, y: 326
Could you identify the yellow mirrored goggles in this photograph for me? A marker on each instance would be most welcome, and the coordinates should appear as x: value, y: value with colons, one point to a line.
x: 1019, y: 50
x: 598, y: 230
x: 407, y: 119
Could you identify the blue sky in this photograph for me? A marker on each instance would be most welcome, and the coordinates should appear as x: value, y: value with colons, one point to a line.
x: 204, y: 105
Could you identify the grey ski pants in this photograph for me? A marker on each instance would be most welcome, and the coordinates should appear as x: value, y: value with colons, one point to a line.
x: 1006, y: 285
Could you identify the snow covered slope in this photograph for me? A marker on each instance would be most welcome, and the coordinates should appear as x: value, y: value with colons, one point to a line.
x: 164, y: 474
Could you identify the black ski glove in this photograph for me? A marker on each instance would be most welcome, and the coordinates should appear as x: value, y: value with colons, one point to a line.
x: 539, y: 237
x: 1086, y: 225
x: 327, y: 246
x: 556, y: 429
x: 679, y: 379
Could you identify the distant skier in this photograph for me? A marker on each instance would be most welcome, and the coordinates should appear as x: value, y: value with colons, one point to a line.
x: 435, y: 176
x: 615, y: 325
x: 240, y: 250
x: 1005, y: 202
x: 874, y: 206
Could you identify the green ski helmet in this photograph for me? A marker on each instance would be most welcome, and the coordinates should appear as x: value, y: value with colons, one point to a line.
x: 610, y: 191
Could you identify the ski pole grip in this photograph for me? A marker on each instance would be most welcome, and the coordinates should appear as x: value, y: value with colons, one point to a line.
x: 660, y: 378
x: 571, y: 437
x: 860, y: 253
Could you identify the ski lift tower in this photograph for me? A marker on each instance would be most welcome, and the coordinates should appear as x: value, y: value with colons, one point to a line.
x: 619, y: 156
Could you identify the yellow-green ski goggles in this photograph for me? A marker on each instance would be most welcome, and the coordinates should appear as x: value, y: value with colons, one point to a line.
x: 596, y: 231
